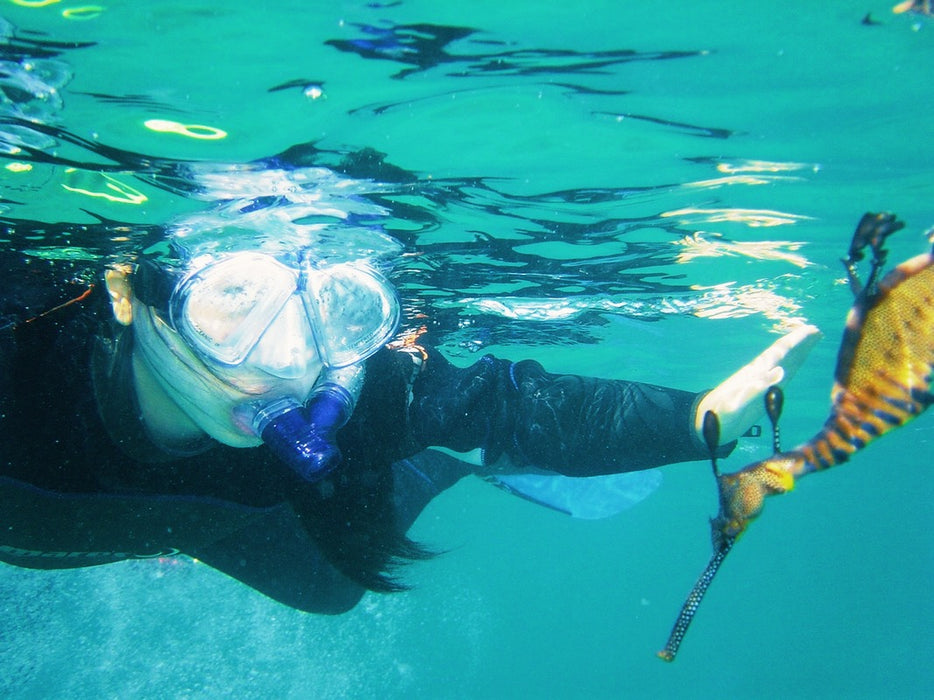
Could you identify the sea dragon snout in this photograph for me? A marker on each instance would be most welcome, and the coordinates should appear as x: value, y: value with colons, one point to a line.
x: 882, y: 380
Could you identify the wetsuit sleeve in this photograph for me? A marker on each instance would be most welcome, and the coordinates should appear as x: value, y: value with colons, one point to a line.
x: 574, y: 425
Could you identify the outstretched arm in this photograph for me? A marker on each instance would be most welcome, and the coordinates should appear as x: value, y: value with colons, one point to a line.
x: 583, y: 426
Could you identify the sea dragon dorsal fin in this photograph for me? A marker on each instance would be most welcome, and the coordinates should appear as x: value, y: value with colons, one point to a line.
x: 871, y: 232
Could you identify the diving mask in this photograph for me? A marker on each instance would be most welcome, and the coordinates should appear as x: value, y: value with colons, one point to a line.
x: 251, y: 308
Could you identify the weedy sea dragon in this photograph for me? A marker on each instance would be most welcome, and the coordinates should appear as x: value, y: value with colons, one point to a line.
x: 882, y: 380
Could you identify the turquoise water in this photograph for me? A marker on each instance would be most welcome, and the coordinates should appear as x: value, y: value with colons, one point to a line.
x: 586, y: 184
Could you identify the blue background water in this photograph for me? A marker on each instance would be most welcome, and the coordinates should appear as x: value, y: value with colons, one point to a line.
x: 828, y: 593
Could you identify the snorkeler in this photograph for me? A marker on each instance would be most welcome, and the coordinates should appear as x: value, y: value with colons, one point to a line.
x: 261, y: 413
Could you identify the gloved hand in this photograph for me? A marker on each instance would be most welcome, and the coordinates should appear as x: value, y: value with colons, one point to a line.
x: 738, y: 401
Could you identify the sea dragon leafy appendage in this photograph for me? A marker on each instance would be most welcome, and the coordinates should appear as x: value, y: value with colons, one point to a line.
x: 882, y: 380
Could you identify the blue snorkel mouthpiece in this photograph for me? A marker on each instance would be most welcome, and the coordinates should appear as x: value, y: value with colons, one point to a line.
x: 304, y: 437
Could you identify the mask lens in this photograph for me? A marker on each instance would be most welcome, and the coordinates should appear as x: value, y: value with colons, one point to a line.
x: 223, y: 309
x: 355, y: 309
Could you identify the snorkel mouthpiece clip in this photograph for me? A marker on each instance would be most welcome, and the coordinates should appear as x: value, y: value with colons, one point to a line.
x: 304, y: 437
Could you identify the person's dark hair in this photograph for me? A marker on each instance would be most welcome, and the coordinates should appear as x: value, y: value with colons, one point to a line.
x: 352, y: 517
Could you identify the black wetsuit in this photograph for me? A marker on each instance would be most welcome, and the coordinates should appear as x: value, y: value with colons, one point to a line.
x: 81, y: 483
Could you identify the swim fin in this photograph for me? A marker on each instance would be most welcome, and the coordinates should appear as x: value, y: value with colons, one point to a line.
x: 585, y: 497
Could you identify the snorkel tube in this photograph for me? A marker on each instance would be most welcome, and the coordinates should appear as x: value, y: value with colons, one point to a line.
x: 355, y: 311
x: 304, y: 437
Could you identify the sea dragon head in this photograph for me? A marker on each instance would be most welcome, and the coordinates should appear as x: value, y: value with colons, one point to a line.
x: 742, y: 494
